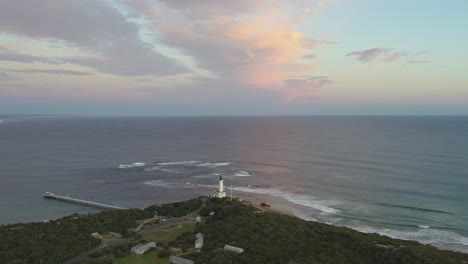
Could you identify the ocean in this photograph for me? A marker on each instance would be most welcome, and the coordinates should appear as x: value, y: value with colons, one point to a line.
x: 405, y: 177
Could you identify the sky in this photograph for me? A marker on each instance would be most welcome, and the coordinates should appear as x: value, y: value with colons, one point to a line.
x: 243, y: 57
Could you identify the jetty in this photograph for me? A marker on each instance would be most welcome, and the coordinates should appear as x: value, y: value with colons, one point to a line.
x: 49, y: 195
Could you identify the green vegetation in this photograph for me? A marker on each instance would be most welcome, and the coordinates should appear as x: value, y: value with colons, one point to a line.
x: 176, y: 209
x: 61, y: 239
x: 269, y: 237
x: 68, y: 237
x: 266, y: 237
x: 170, y: 234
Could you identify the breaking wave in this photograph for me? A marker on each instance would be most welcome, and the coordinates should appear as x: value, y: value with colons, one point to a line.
x: 159, y: 183
x: 299, y: 199
x: 188, y: 162
x: 196, y: 163
x: 157, y: 168
x: 131, y: 165
x: 213, y: 165
x: 424, y: 235
x: 242, y: 174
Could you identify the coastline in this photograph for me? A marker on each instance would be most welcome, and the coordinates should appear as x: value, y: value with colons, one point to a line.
x: 278, y: 205
x: 241, y: 222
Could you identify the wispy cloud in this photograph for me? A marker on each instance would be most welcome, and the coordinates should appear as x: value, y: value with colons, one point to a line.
x: 6, y: 77
x: 6, y: 55
x: 93, y: 26
x: 418, y: 61
x: 55, y: 72
x: 303, y: 89
x: 382, y: 54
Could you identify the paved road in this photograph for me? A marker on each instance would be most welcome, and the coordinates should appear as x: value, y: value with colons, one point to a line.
x: 120, y: 241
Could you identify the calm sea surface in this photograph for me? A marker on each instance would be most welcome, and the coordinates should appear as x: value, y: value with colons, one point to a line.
x: 406, y: 177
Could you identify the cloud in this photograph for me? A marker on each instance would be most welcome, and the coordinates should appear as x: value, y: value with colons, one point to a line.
x: 396, y: 56
x: 303, y: 89
x: 418, y: 61
x: 6, y: 55
x: 384, y: 54
x: 6, y: 77
x: 316, y: 42
x: 244, y: 45
x: 55, y: 72
x: 250, y: 43
x: 94, y: 26
x: 310, y: 56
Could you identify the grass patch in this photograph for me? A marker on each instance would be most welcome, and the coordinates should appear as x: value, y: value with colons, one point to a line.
x: 109, y: 235
x: 170, y: 233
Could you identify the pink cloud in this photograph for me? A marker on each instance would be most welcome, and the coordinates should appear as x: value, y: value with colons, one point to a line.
x: 245, y: 42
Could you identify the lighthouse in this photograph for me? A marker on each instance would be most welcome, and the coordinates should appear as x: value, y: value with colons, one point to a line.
x: 221, y: 193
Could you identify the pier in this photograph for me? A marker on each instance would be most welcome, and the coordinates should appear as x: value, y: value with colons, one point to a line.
x: 49, y: 195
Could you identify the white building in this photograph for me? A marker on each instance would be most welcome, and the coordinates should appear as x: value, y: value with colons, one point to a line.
x: 233, y: 249
x: 199, y: 241
x: 179, y: 260
x: 220, y: 193
x: 142, y: 248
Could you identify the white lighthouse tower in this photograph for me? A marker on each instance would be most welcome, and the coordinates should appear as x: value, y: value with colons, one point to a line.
x: 221, y: 193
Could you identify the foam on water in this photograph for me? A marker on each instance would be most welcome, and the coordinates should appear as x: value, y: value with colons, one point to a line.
x: 299, y: 199
x: 158, y: 183
x: 175, y: 163
x: 242, y: 174
x: 131, y: 165
x: 424, y: 235
x: 205, y: 176
x: 213, y: 165
x: 157, y: 168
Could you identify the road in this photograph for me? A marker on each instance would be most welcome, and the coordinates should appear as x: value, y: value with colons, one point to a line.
x: 120, y: 241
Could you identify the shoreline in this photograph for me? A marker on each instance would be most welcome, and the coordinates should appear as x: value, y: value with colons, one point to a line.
x: 278, y: 205
x: 280, y: 208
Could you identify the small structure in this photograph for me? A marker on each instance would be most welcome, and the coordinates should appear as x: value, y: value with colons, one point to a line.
x: 233, y: 249
x: 212, y: 213
x: 142, y: 248
x: 199, y: 241
x: 179, y: 260
x: 198, y: 219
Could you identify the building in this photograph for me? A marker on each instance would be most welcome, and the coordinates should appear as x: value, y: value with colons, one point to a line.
x: 179, y: 260
x: 199, y: 241
x: 220, y: 193
x: 233, y: 249
x: 198, y: 219
x: 142, y: 248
